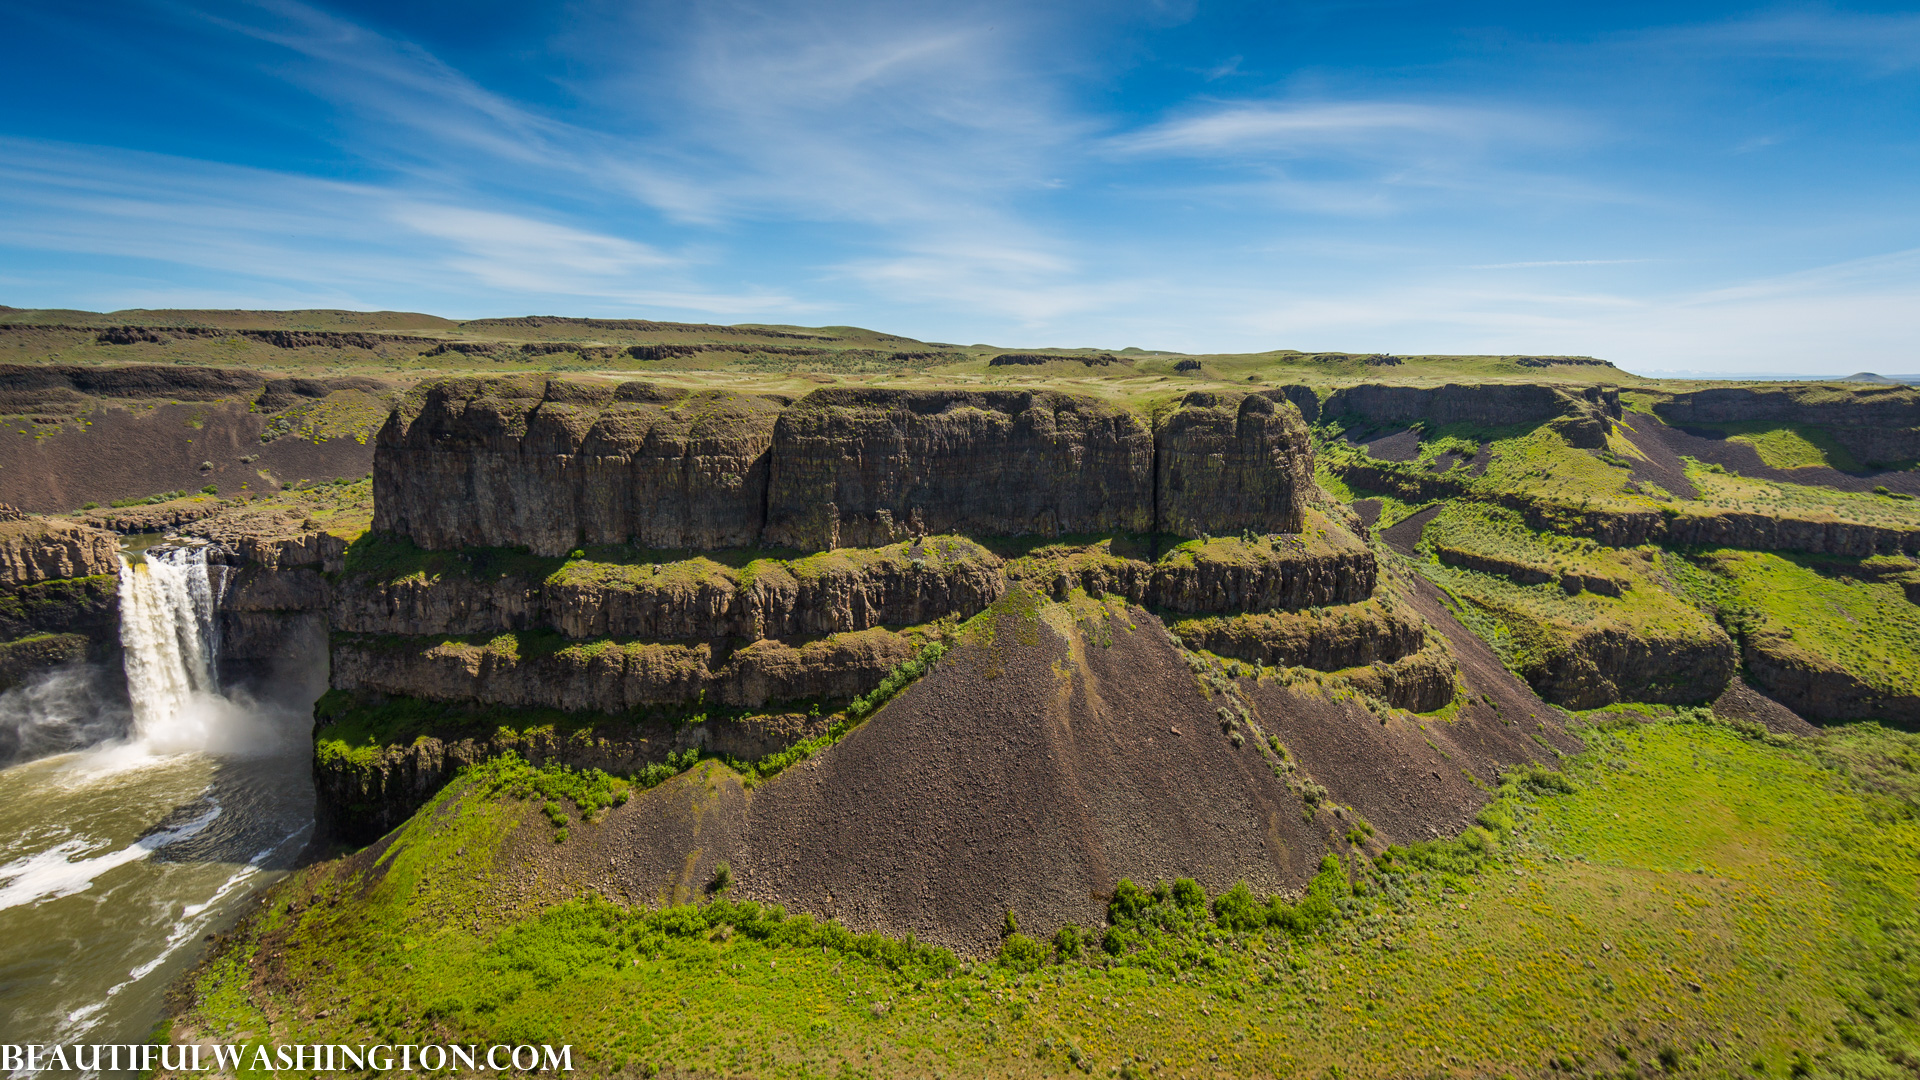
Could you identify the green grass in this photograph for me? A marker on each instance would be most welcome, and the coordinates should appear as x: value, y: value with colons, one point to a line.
x: 1498, y: 534
x: 1532, y: 463
x: 1528, y: 625
x: 1790, y: 446
x: 1721, y: 490
x: 1687, y: 891
x: 1828, y: 606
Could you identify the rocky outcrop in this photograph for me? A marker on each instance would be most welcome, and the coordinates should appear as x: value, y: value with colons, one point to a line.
x: 1326, y: 640
x: 39, y: 549
x: 868, y: 467
x: 22, y: 382
x: 21, y: 659
x: 1572, y: 582
x: 552, y: 465
x: 89, y: 606
x: 1877, y: 424
x: 1817, y: 688
x: 362, y: 796
x: 555, y: 465
x: 1579, y: 414
x: 1632, y: 528
x: 1323, y: 566
x: 59, y: 595
x: 1599, y: 666
x: 1762, y: 532
x: 1229, y: 462
x: 1420, y: 682
x: 900, y: 585
x: 612, y: 676
x: 282, y: 393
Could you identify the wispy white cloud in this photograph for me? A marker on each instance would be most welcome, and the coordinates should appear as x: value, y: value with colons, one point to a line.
x: 1850, y: 315
x: 1240, y: 129
x: 1555, y: 262
x: 321, y: 237
x: 1885, y: 42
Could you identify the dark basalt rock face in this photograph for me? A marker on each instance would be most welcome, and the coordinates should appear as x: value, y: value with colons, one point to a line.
x: 897, y: 586
x: 552, y: 465
x: 1580, y: 415
x: 612, y: 676
x: 555, y: 465
x: 1228, y: 463
x: 1878, y: 424
x: 1819, y: 689
x: 59, y: 597
x: 864, y: 468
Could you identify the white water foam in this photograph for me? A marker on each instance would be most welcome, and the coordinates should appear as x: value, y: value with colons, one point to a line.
x: 194, y: 918
x: 169, y: 599
x: 54, y: 873
x: 55, y: 711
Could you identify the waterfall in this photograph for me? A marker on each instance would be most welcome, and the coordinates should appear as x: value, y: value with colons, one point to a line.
x: 170, y: 636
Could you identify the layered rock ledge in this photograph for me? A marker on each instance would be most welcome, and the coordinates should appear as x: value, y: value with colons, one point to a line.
x: 610, y: 675
x: 556, y: 465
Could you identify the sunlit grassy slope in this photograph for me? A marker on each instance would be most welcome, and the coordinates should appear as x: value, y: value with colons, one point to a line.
x: 1697, y: 901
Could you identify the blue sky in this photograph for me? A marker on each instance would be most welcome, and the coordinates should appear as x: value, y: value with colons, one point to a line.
x: 1710, y: 187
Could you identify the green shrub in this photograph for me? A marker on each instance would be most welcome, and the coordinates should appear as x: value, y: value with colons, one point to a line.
x: 1538, y: 780
x: 1066, y: 942
x: 210, y: 489
x: 661, y: 772
x: 148, y: 500
x: 722, y: 878
x: 590, y: 790
x: 1021, y: 953
x: 1238, y: 911
x: 1128, y: 902
x: 897, y: 680
x: 1188, y: 894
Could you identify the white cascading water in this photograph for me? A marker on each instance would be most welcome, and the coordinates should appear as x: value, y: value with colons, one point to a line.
x: 168, y: 630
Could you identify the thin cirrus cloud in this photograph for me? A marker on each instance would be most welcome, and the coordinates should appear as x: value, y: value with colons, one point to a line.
x: 1886, y: 42
x: 1537, y: 263
x: 1242, y: 129
x: 333, y: 237
x: 423, y: 116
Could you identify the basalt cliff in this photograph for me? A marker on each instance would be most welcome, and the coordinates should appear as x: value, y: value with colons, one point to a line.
x: 553, y: 466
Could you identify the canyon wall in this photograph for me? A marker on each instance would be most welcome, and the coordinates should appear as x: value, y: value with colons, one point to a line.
x: 1878, y: 424
x: 1579, y: 414
x: 863, y: 467
x: 59, y: 595
x: 555, y: 465
x: 1225, y: 465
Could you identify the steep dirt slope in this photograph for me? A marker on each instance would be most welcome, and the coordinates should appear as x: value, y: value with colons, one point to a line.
x: 1414, y: 779
x: 1663, y: 443
x: 128, y: 453
x: 1029, y: 773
